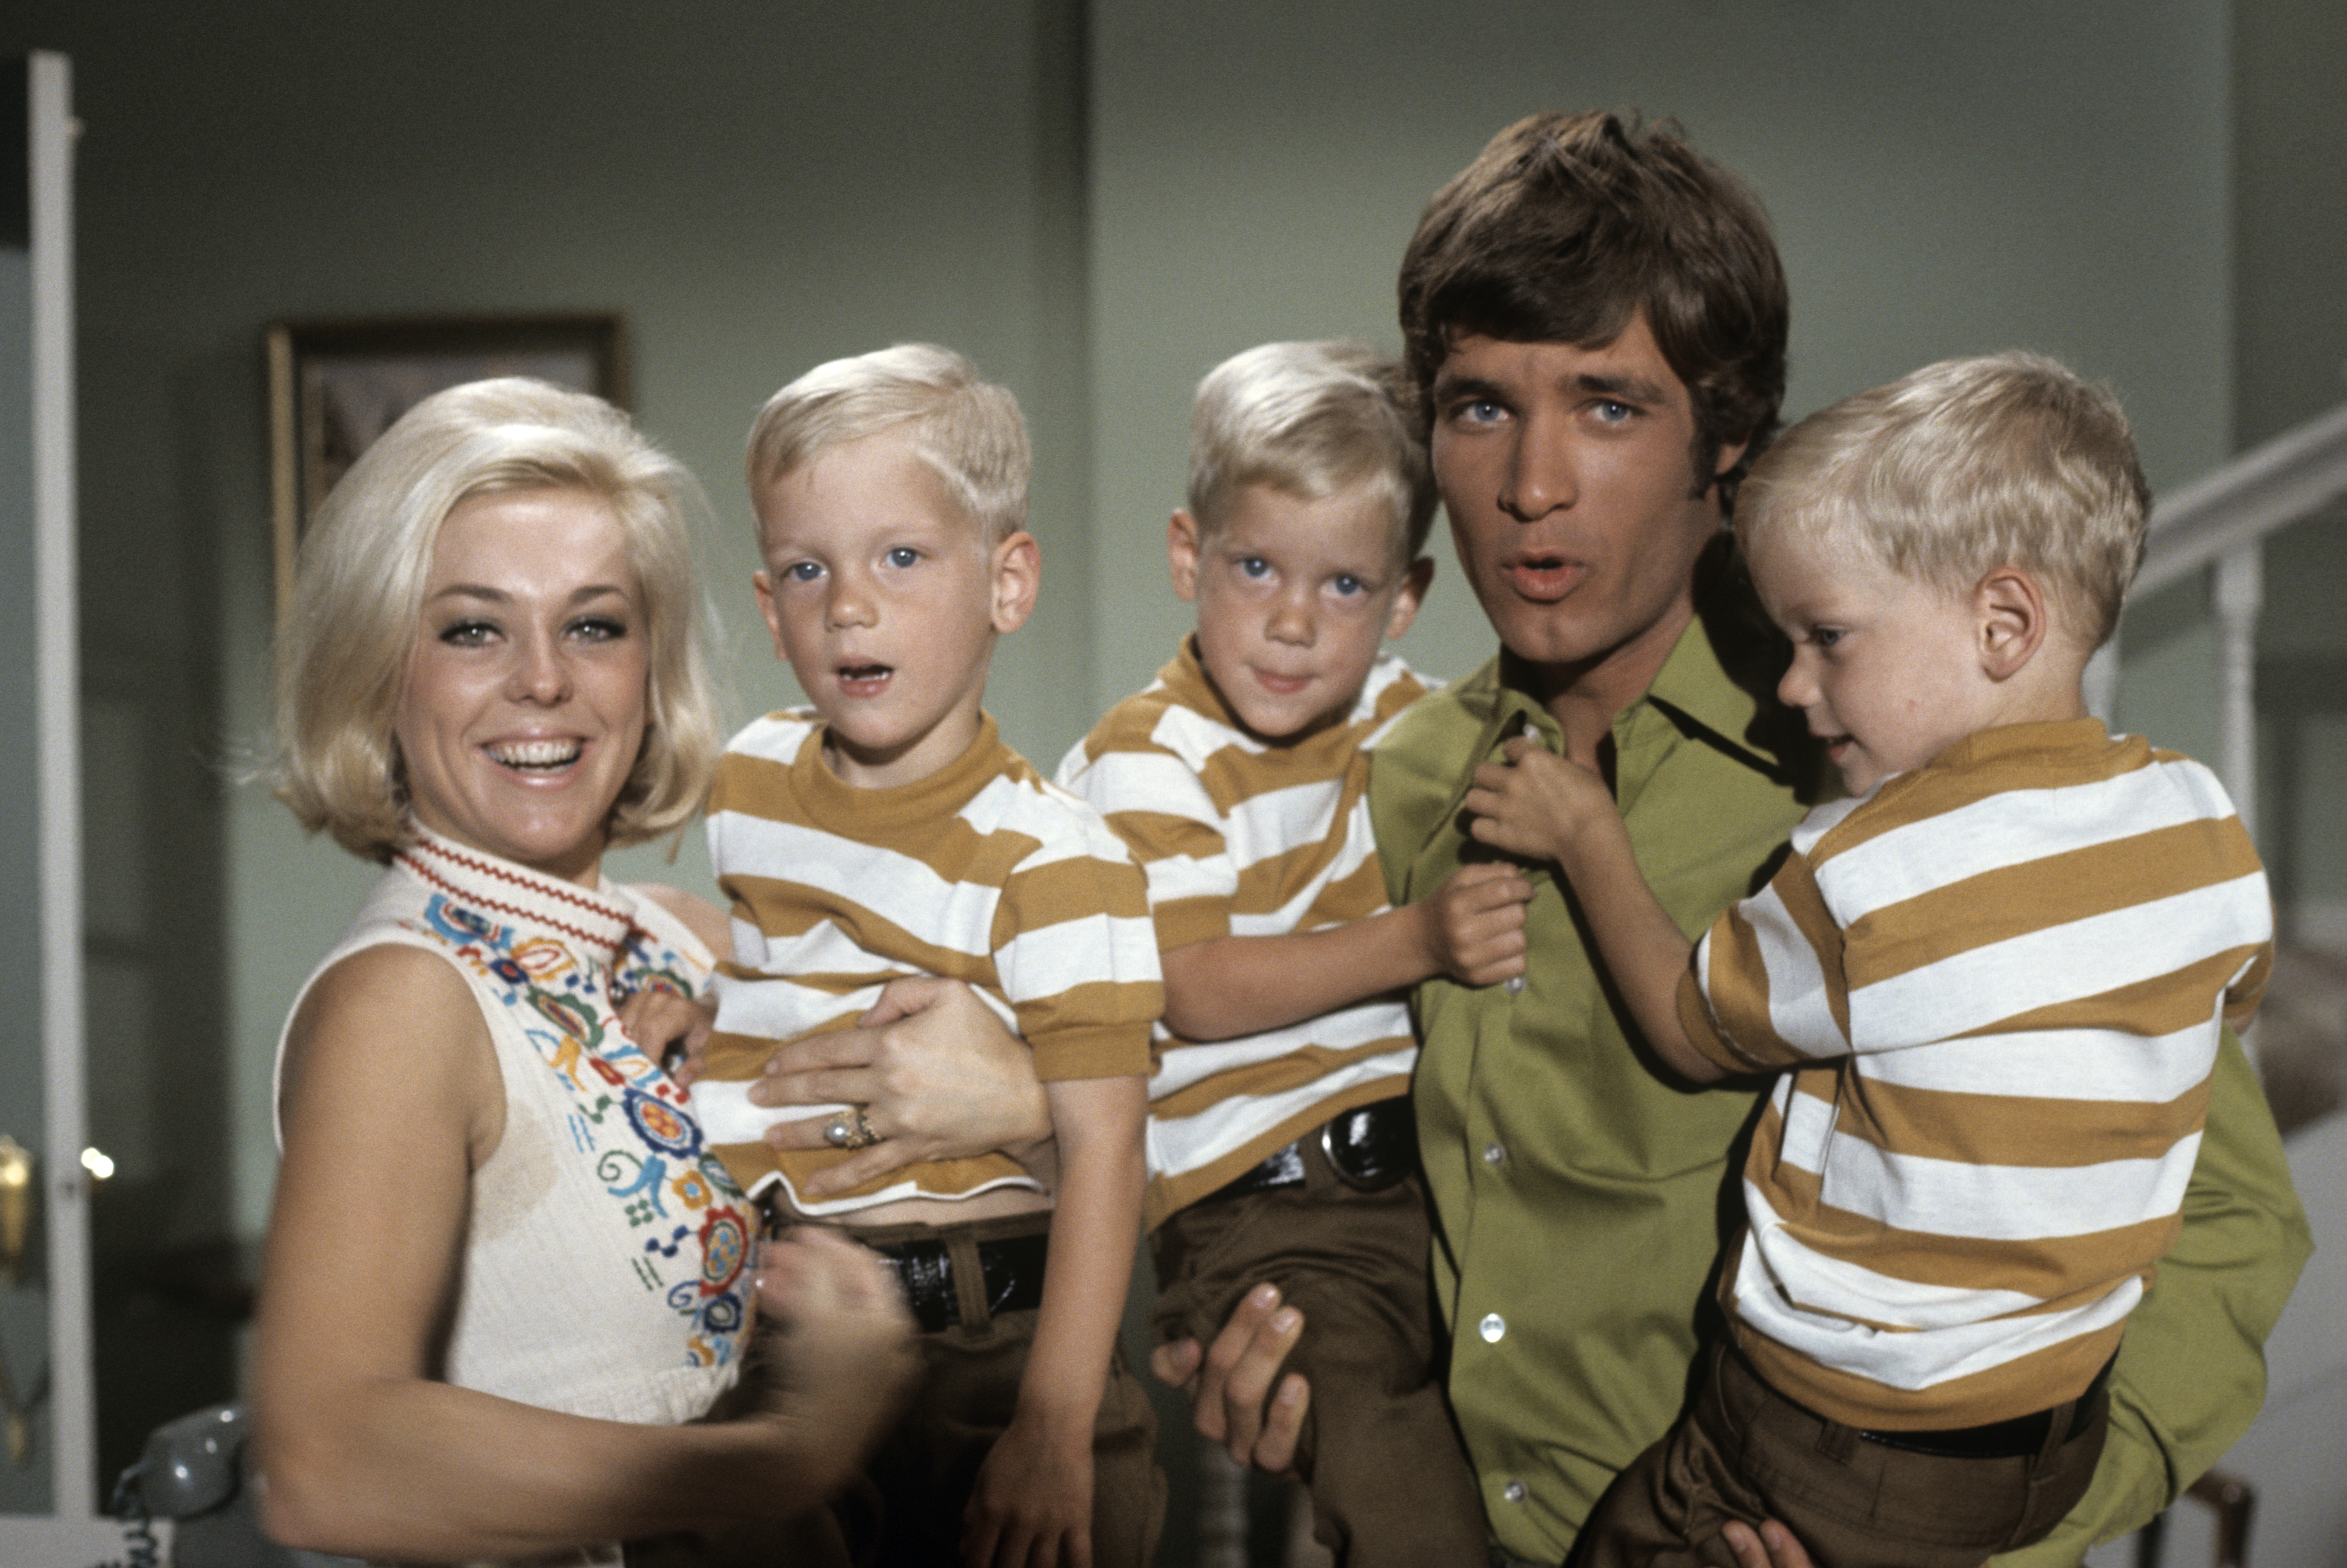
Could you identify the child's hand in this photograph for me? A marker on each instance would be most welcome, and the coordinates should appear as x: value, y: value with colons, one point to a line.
x: 1475, y: 923
x: 1034, y: 1501
x: 1536, y: 804
x: 665, y: 1025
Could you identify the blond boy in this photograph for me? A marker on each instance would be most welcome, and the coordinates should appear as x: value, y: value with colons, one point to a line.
x: 888, y: 831
x: 1992, y: 981
x: 1281, y: 1145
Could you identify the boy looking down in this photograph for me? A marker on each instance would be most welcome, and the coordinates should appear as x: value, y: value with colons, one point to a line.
x: 1992, y: 982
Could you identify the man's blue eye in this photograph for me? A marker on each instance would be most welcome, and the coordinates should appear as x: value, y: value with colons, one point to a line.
x: 1613, y: 413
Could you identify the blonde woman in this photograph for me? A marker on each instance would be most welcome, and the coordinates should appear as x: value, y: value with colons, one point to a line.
x: 503, y: 1279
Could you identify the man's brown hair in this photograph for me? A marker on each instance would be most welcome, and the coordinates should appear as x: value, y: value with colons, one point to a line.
x: 1566, y: 225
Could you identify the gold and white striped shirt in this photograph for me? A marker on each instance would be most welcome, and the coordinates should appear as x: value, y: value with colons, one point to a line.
x: 1243, y: 837
x: 983, y: 872
x: 1998, y: 980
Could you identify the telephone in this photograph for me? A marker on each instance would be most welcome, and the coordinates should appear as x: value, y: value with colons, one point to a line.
x: 193, y: 1473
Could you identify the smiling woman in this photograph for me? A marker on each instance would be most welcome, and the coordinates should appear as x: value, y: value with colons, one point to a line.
x: 504, y: 1272
x: 524, y: 708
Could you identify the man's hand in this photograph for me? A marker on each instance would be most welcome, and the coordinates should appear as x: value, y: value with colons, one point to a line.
x: 937, y: 1074
x: 1475, y: 923
x: 1770, y: 1546
x: 1226, y: 1385
x: 664, y: 1025
x: 1537, y: 805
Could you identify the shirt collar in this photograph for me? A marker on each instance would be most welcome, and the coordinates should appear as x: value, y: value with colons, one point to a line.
x: 1718, y: 682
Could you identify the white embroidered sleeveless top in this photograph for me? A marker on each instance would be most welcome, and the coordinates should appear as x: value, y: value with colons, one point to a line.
x: 605, y: 1269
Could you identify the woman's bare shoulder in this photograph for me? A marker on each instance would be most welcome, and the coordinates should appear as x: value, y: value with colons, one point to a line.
x: 388, y: 1008
x: 699, y: 916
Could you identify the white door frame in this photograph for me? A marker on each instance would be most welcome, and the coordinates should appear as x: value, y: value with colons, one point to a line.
x: 75, y: 1532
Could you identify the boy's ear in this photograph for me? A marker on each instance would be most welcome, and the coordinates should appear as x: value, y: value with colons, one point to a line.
x: 1410, y: 596
x: 764, y: 587
x: 1018, y: 573
x: 1181, y: 552
x: 2010, y: 622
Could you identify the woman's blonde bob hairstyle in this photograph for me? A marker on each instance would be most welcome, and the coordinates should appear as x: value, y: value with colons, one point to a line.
x: 358, y: 601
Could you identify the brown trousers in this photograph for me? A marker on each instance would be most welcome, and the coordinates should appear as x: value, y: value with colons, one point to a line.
x: 1746, y: 1453
x: 1388, y: 1478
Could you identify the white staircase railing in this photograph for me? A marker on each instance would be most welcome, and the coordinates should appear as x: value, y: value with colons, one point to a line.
x: 2222, y: 522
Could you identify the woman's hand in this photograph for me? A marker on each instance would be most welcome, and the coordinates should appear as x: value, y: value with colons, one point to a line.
x: 844, y: 1356
x: 938, y: 1075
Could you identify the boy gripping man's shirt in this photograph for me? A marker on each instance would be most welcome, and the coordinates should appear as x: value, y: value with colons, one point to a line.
x: 1992, y: 981
x: 1279, y: 1139
x: 887, y: 831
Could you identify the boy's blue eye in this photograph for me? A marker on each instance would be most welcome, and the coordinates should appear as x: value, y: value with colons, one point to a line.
x: 1253, y: 566
x: 1826, y: 636
x: 803, y: 571
x: 1349, y: 585
x: 903, y: 555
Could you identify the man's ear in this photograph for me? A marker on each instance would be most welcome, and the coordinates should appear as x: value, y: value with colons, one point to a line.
x: 1017, y: 565
x: 1181, y: 552
x: 1410, y: 596
x: 2010, y: 622
x: 1731, y: 453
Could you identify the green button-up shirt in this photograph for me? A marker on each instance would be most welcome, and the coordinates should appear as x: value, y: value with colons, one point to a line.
x: 1583, y: 1199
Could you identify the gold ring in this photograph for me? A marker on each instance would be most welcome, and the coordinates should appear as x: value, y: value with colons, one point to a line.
x: 864, y: 1137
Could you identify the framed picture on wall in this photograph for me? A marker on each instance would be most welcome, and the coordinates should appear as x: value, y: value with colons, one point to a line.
x: 336, y: 385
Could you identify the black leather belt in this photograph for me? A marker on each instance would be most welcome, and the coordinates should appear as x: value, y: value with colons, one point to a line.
x: 2018, y: 1438
x: 1009, y: 1276
x: 1369, y: 1148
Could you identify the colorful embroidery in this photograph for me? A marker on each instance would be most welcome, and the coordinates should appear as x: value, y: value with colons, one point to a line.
x: 626, y: 1111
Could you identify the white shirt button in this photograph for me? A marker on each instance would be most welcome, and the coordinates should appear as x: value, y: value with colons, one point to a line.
x: 1514, y: 1491
x: 1492, y: 1328
x: 1515, y: 986
x: 1493, y: 1153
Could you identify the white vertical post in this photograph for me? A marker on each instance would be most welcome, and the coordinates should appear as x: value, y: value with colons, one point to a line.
x: 2240, y: 595
x: 57, y: 717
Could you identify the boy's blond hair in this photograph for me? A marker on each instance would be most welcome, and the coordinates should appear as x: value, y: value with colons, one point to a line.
x: 968, y: 430
x: 1966, y: 466
x: 1310, y: 419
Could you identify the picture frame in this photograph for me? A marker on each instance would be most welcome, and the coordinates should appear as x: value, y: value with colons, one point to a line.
x: 336, y: 385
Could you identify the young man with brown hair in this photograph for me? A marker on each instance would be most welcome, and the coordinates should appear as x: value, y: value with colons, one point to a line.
x: 1597, y: 318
